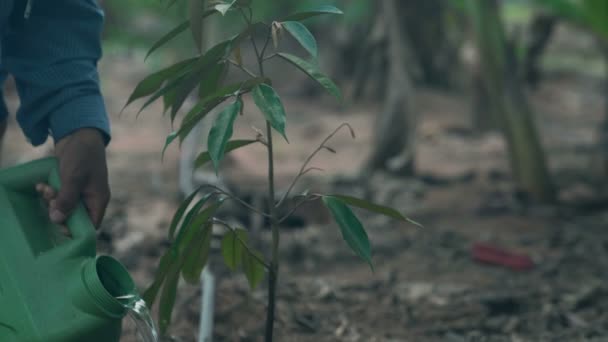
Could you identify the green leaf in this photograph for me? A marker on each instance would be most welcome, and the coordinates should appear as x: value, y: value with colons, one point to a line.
x: 172, y: 87
x: 352, y: 230
x: 223, y: 8
x: 205, y: 66
x: 202, y: 108
x: 165, y: 262
x: 154, y: 81
x: 191, y: 214
x: 197, y: 257
x: 252, y: 267
x: 204, y: 157
x: 269, y: 103
x: 320, y: 10
x: 218, y: 52
x: 180, y: 213
x: 312, y: 71
x: 212, y: 79
x: 232, y: 248
x: 182, y: 92
x: 302, y: 35
x: 197, y: 113
x: 168, y: 142
x: 168, y: 37
x: 175, y: 32
x: 380, y: 209
x: 169, y: 100
x: 167, y: 300
x: 221, y: 132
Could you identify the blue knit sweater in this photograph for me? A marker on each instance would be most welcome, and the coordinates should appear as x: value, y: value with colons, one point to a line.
x: 53, y: 57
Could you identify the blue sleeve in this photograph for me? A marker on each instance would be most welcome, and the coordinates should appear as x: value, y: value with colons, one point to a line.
x: 3, y: 109
x: 53, y: 57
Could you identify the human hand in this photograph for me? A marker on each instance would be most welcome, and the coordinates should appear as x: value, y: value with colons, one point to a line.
x: 84, y: 176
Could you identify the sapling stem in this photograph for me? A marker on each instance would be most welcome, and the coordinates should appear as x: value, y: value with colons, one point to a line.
x: 274, y: 265
x: 273, y: 271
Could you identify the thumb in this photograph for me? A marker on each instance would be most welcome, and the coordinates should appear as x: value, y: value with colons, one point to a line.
x: 62, y: 206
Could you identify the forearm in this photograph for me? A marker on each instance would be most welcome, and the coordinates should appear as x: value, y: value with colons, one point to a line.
x: 53, y: 58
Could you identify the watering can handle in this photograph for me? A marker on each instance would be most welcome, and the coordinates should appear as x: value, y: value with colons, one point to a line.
x: 25, y: 177
x: 79, y: 222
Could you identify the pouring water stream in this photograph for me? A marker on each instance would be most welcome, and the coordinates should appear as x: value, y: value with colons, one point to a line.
x: 139, y: 313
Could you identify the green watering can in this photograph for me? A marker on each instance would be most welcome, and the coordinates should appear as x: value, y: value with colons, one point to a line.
x: 53, y: 288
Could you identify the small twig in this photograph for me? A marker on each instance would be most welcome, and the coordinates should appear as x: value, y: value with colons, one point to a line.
x: 309, y: 198
x: 309, y: 159
x: 295, y: 181
x: 247, y: 20
x: 235, y: 198
x: 269, y: 57
x: 310, y: 169
x: 266, y: 44
x: 242, y: 68
x: 252, y: 38
x: 257, y: 53
x: 226, y: 225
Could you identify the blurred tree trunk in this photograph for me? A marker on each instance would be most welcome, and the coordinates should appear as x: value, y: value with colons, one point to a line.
x: 432, y: 27
x: 426, y: 25
x: 484, y: 116
x: 508, y: 102
x: 370, y: 67
x: 541, y: 30
x: 393, y: 145
x: 539, y: 34
x: 603, y: 131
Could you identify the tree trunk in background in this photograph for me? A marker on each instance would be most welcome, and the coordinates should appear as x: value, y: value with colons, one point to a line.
x: 484, y: 116
x: 393, y: 145
x: 371, y: 62
x: 425, y: 24
x: 541, y: 30
x: 603, y: 131
x: 511, y: 107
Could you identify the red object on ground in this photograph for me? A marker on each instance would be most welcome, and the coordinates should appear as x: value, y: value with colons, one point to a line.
x: 496, y: 256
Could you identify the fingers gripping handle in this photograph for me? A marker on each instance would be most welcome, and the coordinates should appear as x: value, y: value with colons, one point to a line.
x: 79, y: 222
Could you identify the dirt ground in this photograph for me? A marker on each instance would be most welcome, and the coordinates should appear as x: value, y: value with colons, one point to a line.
x: 426, y: 285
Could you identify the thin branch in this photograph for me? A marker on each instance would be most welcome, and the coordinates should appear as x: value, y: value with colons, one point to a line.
x: 308, y: 198
x: 242, y: 68
x: 235, y: 198
x: 247, y: 20
x: 295, y: 181
x: 269, y: 57
x: 266, y: 44
x: 257, y: 54
x: 309, y: 159
x: 310, y: 169
x: 252, y: 38
x: 226, y: 225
